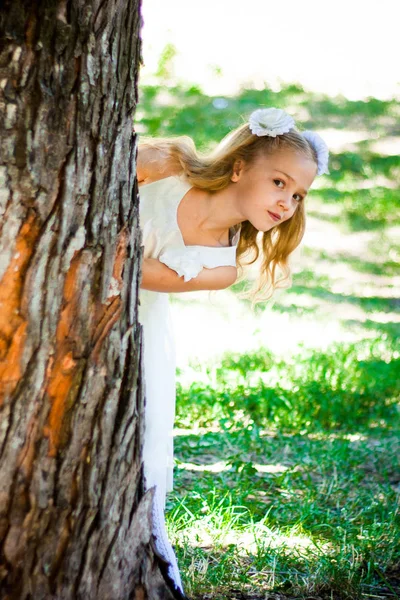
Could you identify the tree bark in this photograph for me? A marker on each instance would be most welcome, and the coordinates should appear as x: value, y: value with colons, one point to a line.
x: 74, y: 520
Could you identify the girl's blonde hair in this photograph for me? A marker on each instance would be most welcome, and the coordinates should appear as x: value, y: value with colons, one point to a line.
x: 212, y: 171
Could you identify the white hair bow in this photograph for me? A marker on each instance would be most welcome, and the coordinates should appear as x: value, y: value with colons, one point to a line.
x: 275, y: 121
x: 320, y: 148
x: 270, y: 121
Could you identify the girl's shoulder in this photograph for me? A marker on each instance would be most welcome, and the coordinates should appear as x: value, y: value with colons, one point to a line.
x: 152, y: 165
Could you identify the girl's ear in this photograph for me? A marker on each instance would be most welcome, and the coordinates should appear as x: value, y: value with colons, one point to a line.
x: 237, y: 170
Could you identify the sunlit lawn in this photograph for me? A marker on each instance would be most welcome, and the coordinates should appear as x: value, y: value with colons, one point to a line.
x: 288, y: 474
x: 287, y: 433
x: 260, y: 510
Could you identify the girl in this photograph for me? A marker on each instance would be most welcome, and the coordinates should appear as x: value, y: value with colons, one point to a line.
x: 203, y: 217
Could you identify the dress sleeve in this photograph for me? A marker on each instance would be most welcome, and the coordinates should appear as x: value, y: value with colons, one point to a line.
x: 185, y: 261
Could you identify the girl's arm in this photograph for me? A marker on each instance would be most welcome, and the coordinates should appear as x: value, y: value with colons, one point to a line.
x: 157, y: 277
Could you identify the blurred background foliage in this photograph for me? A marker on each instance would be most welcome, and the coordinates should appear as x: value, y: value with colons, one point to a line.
x: 171, y: 109
x: 287, y: 431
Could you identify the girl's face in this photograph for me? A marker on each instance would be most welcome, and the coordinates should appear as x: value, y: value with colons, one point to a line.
x: 271, y: 189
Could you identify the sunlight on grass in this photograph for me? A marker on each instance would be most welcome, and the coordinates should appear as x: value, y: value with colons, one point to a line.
x: 220, y: 466
x: 205, y: 534
x: 217, y: 467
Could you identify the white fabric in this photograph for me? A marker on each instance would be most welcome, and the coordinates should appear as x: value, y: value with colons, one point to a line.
x: 320, y: 148
x: 162, y: 239
x: 163, y: 544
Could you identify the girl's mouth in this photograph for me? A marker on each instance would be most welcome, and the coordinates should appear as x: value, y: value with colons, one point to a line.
x: 274, y: 216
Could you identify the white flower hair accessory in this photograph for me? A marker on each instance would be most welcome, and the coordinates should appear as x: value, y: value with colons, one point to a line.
x: 270, y: 121
x: 320, y: 148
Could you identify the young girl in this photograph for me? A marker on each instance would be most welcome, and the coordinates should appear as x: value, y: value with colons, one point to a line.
x: 202, y: 218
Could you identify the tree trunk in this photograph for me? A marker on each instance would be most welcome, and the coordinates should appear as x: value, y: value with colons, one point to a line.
x: 74, y: 521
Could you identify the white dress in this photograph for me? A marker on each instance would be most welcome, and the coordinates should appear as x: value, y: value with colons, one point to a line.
x: 162, y: 239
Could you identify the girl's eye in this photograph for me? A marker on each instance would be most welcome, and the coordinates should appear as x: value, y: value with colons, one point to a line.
x: 279, y: 181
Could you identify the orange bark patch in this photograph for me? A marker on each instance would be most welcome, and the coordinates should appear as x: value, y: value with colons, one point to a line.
x: 12, y: 322
x: 65, y: 371
x: 58, y: 390
x: 64, y: 366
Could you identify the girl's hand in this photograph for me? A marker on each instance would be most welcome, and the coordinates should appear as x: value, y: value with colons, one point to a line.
x: 157, y: 277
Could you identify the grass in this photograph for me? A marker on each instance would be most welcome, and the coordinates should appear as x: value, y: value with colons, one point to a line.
x: 288, y: 475
x: 287, y: 479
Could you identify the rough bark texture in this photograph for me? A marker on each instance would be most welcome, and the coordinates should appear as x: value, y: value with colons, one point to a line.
x: 74, y: 522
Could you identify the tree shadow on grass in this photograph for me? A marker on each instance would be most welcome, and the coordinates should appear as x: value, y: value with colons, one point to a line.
x: 367, y: 304
x: 302, y: 285
x: 389, y: 329
x: 362, y: 209
x: 388, y: 268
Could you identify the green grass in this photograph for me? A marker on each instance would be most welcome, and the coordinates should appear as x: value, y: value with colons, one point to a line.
x: 288, y: 474
x: 344, y: 387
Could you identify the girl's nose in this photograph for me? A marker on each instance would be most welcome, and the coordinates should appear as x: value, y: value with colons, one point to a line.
x: 285, y: 201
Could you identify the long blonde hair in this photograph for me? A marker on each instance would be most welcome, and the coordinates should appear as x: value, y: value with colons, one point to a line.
x: 212, y: 171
